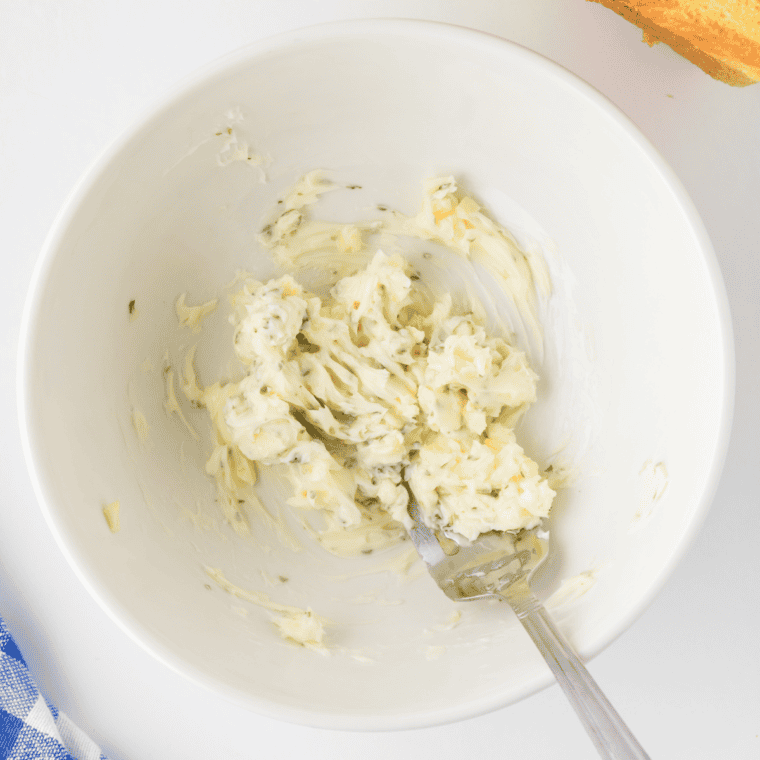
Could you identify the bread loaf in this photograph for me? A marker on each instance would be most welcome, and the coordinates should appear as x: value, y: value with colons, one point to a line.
x: 721, y: 36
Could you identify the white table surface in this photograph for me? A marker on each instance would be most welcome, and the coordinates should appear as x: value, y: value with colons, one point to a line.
x: 686, y: 675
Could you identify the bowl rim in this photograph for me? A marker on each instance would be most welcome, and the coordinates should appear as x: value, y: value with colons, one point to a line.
x: 391, y: 27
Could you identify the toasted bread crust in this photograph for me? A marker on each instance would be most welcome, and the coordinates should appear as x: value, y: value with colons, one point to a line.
x: 722, y: 38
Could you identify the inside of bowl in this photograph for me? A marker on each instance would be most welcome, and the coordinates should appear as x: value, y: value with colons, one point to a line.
x: 633, y: 370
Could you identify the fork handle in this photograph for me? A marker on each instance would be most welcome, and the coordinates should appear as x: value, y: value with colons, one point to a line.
x: 610, y: 735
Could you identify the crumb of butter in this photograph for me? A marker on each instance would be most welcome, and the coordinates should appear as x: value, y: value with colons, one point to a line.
x: 299, y: 626
x: 141, y: 426
x: 654, y: 481
x: 111, y: 513
x: 192, y: 316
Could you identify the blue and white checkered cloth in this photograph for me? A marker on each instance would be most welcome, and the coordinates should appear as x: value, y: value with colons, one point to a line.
x: 30, y: 727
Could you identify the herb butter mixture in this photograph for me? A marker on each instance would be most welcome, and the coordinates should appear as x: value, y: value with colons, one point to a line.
x: 382, y: 382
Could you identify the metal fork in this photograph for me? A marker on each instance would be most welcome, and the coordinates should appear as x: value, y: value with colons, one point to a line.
x: 500, y: 566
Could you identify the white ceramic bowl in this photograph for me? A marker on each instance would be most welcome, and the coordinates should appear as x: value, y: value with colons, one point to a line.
x: 639, y: 362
